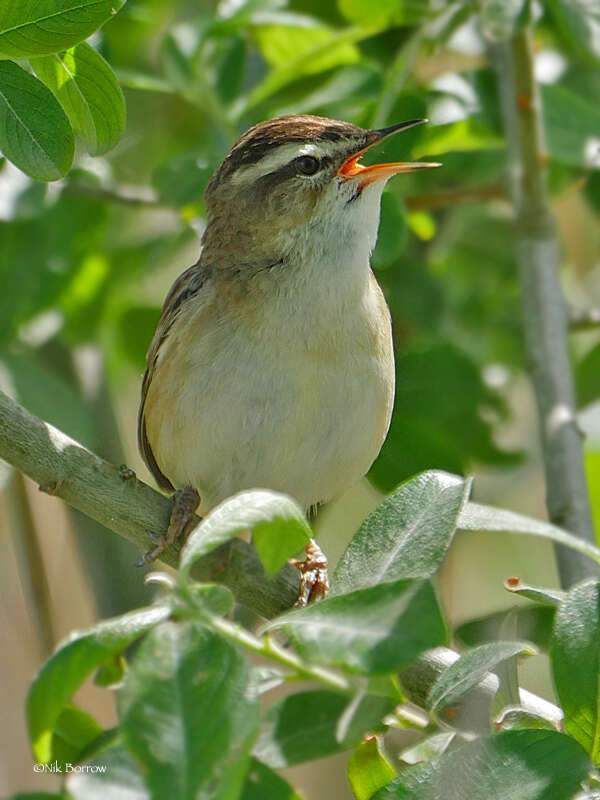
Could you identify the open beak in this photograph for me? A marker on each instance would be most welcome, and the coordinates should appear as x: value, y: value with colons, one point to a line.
x: 350, y: 168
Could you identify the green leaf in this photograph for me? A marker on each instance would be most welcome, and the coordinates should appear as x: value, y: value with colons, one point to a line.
x: 427, y: 748
x: 74, y: 731
x: 211, y: 597
x: 478, y: 517
x: 575, y: 655
x: 371, y: 631
x: 368, y: 769
x: 592, y: 474
x: 579, y: 22
x: 35, y: 133
x: 276, y: 521
x: 386, y: 12
x: 325, y: 51
x: 549, y: 597
x: 463, y: 136
x: 49, y: 26
x: 88, y: 90
x: 65, y: 671
x: 534, y: 624
x: 507, y: 671
x: 587, y: 376
x: 407, y: 535
x: 469, y: 670
x: 112, y: 775
x: 186, y: 714
x: 111, y: 673
x: 281, y: 43
x: 308, y: 725
x: 514, y: 718
x: 513, y: 765
x: 571, y: 125
x: 264, y: 784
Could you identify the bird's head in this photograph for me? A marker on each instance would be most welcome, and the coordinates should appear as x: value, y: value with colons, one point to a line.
x: 297, y: 181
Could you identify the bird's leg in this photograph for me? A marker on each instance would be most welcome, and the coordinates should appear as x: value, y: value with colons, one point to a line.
x: 185, y: 503
x: 314, y: 578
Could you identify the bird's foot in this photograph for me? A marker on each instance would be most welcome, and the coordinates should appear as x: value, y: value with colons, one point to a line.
x: 185, y: 503
x: 314, y: 578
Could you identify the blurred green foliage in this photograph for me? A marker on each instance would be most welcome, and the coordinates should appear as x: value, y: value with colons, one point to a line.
x: 87, y: 260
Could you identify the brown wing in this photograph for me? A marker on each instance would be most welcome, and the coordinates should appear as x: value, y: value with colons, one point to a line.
x: 186, y: 285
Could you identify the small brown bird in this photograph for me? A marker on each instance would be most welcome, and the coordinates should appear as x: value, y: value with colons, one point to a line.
x: 272, y: 364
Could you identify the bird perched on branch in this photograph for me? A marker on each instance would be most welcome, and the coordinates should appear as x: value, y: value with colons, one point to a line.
x: 272, y: 364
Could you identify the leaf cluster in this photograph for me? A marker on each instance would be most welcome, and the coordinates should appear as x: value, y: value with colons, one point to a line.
x: 191, y: 720
x: 195, y: 77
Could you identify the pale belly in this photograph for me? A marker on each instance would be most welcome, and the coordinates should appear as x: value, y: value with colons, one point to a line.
x: 252, y: 411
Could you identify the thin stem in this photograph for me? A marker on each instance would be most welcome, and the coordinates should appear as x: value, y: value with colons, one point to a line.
x: 32, y: 571
x: 265, y: 646
x: 544, y: 313
x: 449, y: 199
x: 113, y: 196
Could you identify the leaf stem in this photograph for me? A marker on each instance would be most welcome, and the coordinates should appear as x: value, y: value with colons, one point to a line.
x: 266, y: 646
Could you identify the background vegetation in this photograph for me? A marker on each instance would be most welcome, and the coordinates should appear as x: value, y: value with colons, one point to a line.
x: 86, y: 259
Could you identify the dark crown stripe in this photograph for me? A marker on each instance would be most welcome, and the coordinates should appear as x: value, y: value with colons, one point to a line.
x: 262, y: 138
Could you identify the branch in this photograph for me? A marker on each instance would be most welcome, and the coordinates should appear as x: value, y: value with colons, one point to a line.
x: 544, y: 313
x: 449, y: 199
x: 129, y: 507
x: 114, y: 196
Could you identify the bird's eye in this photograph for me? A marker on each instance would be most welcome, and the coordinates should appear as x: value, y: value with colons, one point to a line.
x: 307, y: 165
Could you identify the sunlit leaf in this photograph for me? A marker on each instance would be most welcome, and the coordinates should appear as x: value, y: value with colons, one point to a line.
x: 368, y: 769
x: 407, y: 535
x: 528, y: 765
x: 428, y: 748
x: 370, y: 631
x: 88, y: 91
x: 73, y: 731
x: 465, y: 135
x: 316, y: 56
x: 72, y: 662
x: 575, y: 654
x: 49, y: 26
x: 276, y: 521
x: 517, y: 718
x: 478, y: 517
x: 469, y: 669
x: 35, y: 133
x: 387, y: 12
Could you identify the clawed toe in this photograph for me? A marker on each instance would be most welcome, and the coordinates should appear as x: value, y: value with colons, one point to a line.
x: 185, y: 503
